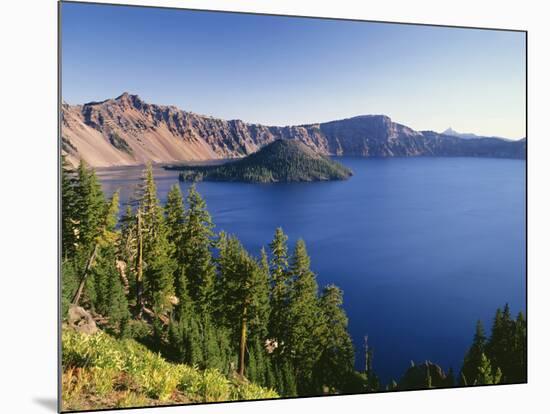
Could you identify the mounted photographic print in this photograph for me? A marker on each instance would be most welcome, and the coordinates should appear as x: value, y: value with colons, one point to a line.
x: 262, y: 206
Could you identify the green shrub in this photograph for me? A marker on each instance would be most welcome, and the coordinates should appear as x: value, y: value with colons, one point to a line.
x: 158, y: 379
x: 95, y: 365
x: 252, y: 391
x: 214, y: 386
x: 101, y: 380
x: 136, y: 330
x: 99, y: 350
x: 189, y: 381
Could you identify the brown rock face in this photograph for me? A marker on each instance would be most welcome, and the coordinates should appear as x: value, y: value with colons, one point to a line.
x: 81, y: 320
x: 129, y: 131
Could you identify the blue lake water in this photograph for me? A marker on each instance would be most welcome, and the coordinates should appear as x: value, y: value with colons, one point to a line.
x: 422, y: 247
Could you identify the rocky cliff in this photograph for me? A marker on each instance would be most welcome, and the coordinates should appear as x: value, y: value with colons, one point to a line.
x: 128, y: 131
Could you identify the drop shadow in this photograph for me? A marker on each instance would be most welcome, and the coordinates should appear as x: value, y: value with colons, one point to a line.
x: 49, y: 403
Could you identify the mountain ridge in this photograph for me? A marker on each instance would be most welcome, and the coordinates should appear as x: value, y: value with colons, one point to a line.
x: 129, y: 131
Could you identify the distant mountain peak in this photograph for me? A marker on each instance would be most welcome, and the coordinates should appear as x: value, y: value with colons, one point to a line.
x: 450, y: 131
x: 130, y: 99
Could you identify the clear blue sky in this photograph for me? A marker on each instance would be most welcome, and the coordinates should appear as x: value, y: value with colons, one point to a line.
x: 286, y: 71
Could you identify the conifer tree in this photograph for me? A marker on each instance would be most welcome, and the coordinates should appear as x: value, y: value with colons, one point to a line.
x: 335, y: 363
x: 245, y: 300
x: 472, y: 360
x: 155, y: 263
x: 280, y: 280
x: 486, y: 374
x: 110, y: 299
x: 106, y: 291
x: 90, y: 207
x: 185, y: 335
x: 174, y: 212
x: 285, y: 378
x: 262, y: 307
x: 149, y: 204
x: 259, y: 368
x: 306, y: 329
x: 518, y: 359
x: 500, y: 345
x: 69, y: 284
x: 216, y: 346
x: 196, y: 244
x: 94, y: 218
x: 159, y: 274
x: 69, y: 208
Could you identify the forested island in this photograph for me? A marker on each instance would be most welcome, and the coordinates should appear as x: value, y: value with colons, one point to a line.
x: 280, y: 161
x: 160, y: 308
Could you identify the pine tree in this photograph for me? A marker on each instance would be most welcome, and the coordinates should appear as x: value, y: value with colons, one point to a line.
x: 486, y: 374
x: 174, y: 212
x: 109, y: 297
x: 259, y: 367
x: 90, y: 207
x: 196, y: 244
x: 94, y: 225
x: 69, y: 284
x: 155, y: 265
x: 185, y: 339
x: 262, y: 307
x: 149, y: 205
x: 335, y: 363
x: 245, y: 300
x: 159, y: 274
x: 69, y: 208
x: 472, y: 360
x: 106, y: 290
x: 306, y: 329
x: 280, y: 280
x: 216, y: 346
x: 518, y: 359
x: 500, y: 348
x: 285, y: 379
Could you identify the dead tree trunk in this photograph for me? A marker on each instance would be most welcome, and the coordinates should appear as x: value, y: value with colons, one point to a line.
x: 121, y: 267
x: 242, y: 344
x: 139, y: 277
x: 89, y: 264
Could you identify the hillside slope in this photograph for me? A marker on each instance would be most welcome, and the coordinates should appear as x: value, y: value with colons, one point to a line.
x: 101, y: 372
x: 128, y: 131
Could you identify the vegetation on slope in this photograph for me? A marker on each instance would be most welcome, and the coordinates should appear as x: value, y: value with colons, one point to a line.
x: 279, y: 161
x: 100, y: 371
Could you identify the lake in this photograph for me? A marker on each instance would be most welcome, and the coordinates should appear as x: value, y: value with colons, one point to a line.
x: 422, y: 247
